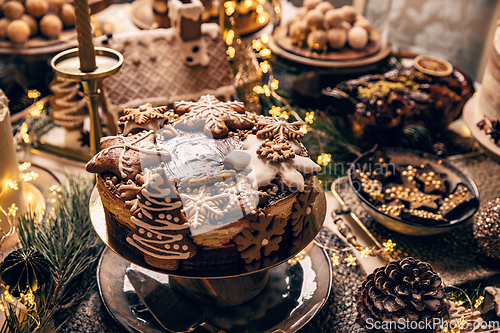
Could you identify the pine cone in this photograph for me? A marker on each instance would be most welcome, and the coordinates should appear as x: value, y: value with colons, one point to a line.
x: 407, y: 289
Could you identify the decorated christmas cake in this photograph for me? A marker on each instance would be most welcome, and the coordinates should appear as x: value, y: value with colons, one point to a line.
x: 207, y: 186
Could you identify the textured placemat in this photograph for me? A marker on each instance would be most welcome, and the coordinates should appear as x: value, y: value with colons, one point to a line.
x: 454, y: 254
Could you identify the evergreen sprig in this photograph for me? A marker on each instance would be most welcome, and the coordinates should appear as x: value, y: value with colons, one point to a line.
x: 66, y: 238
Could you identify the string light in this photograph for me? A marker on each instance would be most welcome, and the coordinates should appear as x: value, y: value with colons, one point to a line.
x: 230, y: 7
x: 324, y: 159
x: 274, y: 84
x: 298, y: 257
x: 304, y: 128
x: 335, y: 259
x: 267, y: 91
x: 265, y: 53
x: 13, y: 210
x: 29, y: 176
x: 33, y: 93
x: 389, y: 246
x: 24, y: 133
x: 265, y: 67
x: 366, y: 251
x: 12, y: 184
x: 257, y: 45
x: 277, y: 111
x: 351, y: 261
x: 231, y: 52
x: 310, y: 117
x: 24, y: 166
x: 479, y: 301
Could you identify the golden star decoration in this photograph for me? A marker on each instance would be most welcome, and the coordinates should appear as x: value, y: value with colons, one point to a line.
x: 351, y: 261
x: 389, y: 246
x: 335, y: 259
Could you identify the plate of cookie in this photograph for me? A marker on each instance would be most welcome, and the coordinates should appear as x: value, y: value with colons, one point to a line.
x: 413, y: 192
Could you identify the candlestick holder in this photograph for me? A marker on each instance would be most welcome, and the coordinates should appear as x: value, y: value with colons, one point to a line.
x: 67, y: 65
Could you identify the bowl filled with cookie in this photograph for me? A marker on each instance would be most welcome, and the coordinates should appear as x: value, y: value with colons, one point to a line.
x: 413, y: 192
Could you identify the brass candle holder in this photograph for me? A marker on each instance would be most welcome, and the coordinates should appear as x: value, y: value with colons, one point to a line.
x: 67, y: 65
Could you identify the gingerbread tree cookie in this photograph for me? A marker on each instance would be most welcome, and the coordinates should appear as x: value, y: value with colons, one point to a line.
x: 216, y: 117
x: 261, y: 238
x: 161, y: 228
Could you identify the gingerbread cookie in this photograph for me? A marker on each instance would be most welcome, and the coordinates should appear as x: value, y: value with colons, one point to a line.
x: 261, y: 238
x: 160, y: 228
x: 214, y: 116
x: 278, y: 127
x: 276, y: 150
x: 456, y: 200
x: 126, y: 157
x: 302, y: 209
x: 145, y: 117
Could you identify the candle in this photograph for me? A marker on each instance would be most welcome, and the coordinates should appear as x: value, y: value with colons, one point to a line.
x: 12, y: 196
x: 86, y: 51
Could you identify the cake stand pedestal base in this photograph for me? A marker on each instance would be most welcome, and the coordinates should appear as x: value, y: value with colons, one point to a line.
x: 223, y: 292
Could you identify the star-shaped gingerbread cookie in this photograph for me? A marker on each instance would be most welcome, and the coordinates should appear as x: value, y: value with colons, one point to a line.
x: 145, y: 116
x: 214, y: 116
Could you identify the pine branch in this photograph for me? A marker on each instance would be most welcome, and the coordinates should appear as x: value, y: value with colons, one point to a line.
x: 68, y: 241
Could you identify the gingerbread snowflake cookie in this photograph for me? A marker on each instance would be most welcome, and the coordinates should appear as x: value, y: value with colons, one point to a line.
x: 261, y: 238
x: 216, y: 117
x: 302, y: 209
x: 278, y: 127
x: 145, y: 117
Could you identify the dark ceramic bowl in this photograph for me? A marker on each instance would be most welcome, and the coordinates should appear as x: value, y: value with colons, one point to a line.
x: 408, y: 157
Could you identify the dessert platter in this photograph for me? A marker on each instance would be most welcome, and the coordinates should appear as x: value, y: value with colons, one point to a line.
x: 483, y: 108
x: 39, y: 26
x: 412, y: 192
x: 323, y: 36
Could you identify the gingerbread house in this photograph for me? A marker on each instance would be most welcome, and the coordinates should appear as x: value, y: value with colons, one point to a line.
x: 161, y: 66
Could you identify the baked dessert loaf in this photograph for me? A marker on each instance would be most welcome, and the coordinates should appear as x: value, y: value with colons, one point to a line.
x: 207, y: 187
x: 377, y: 107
